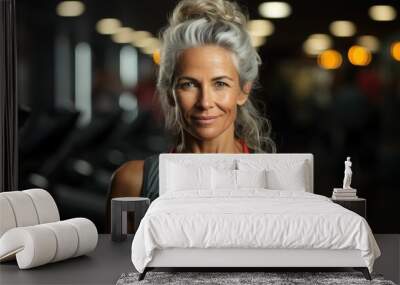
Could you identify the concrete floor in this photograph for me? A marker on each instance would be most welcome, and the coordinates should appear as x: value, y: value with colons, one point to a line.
x: 110, y: 260
x: 388, y: 263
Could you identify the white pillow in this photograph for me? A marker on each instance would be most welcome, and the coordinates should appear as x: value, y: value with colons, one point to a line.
x: 223, y: 179
x: 236, y: 179
x: 293, y: 178
x: 182, y: 177
x: 251, y: 178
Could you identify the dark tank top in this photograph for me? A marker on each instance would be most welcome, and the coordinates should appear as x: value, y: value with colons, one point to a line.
x: 150, y: 186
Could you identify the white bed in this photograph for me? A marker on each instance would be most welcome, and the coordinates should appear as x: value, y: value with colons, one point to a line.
x: 209, y: 222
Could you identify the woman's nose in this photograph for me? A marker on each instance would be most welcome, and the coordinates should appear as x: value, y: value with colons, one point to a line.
x: 205, y: 99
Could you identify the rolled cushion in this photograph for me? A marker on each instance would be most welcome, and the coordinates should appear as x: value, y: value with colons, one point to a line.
x: 33, y: 246
x: 7, y: 218
x: 26, y: 208
x: 40, y: 244
x: 87, y: 235
x: 45, y: 205
x: 23, y: 208
x: 66, y: 238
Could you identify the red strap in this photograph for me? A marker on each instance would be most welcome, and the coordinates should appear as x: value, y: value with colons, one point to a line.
x: 245, y: 148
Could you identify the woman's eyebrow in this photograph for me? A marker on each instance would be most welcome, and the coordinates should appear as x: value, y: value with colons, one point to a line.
x: 222, y: 77
x: 187, y: 78
x: 213, y: 79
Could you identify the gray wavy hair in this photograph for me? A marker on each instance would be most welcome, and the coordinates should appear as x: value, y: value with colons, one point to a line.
x: 219, y: 22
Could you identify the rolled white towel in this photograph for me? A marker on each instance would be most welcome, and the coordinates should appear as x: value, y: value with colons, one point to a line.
x: 40, y: 244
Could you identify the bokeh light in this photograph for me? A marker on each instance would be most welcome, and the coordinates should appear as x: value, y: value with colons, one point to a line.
x: 395, y: 50
x: 275, y: 10
x: 342, y: 28
x: 369, y: 42
x: 140, y: 36
x: 260, y: 28
x: 330, y: 59
x: 108, y: 26
x: 257, y: 41
x: 382, y: 13
x: 316, y: 43
x: 123, y: 35
x: 359, y: 55
x: 148, y: 42
x: 156, y: 56
x: 70, y: 8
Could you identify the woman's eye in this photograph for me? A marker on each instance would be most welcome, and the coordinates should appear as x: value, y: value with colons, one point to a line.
x: 220, y: 84
x: 185, y: 85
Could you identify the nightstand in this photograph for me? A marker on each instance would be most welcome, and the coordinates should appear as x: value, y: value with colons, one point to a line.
x: 357, y: 205
x: 119, y: 208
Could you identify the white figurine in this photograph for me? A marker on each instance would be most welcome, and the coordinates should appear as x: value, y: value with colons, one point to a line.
x: 347, y: 174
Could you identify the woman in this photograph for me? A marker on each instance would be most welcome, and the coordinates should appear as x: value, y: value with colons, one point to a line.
x: 207, y: 71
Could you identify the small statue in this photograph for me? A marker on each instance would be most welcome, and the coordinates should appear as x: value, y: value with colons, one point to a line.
x: 347, y: 174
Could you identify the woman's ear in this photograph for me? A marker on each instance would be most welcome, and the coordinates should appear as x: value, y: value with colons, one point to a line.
x: 244, y: 93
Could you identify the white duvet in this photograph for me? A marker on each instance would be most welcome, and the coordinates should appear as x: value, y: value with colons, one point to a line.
x: 253, y: 218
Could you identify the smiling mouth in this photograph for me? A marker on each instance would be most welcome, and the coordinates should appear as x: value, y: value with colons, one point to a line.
x: 205, y: 120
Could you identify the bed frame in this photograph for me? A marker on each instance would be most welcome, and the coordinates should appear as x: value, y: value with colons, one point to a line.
x: 246, y: 258
x: 242, y: 259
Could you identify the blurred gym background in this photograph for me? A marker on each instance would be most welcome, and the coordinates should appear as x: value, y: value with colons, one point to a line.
x: 86, y: 81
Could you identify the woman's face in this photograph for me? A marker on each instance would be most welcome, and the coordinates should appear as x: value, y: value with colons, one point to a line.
x: 208, y: 91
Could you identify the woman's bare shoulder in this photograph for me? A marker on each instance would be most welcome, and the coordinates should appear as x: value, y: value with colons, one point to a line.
x: 127, y: 180
x: 131, y: 165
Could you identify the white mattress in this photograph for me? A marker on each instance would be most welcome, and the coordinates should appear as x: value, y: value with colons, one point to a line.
x: 252, y: 218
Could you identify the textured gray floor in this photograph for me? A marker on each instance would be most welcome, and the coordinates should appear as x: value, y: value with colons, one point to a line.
x: 102, y: 266
x: 106, y: 264
x: 389, y: 262
x: 243, y: 278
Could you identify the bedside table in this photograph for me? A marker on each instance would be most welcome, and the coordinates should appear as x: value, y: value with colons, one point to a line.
x: 357, y: 205
x: 119, y: 208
